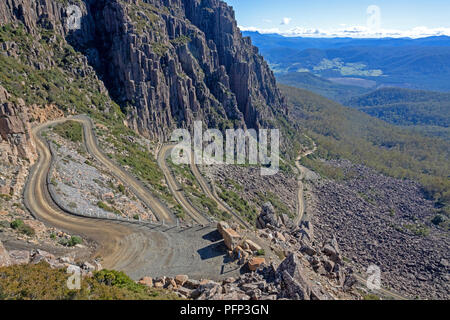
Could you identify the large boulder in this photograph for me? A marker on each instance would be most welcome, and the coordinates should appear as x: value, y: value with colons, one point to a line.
x: 39, y: 256
x: 231, y: 238
x: 5, y: 259
x: 4, y: 95
x: 292, y: 289
x: 146, y: 281
x: 331, y: 249
x: 19, y: 257
x: 221, y: 226
x: 295, y: 284
x: 252, y: 245
x: 288, y: 223
x: 181, y: 279
x: 255, y: 263
x: 306, y: 232
x: 268, y: 216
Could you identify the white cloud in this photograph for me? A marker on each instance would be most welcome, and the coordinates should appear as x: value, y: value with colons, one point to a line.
x: 355, y: 32
x: 286, y: 21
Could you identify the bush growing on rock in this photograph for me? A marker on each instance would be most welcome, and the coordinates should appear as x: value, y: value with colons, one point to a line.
x: 73, y: 241
x: 437, y: 220
x: 21, y: 227
x: 16, y: 224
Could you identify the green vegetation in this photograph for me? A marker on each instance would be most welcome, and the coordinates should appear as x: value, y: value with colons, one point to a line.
x: 70, y: 130
x: 40, y: 282
x: 193, y: 192
x: 181, y: 40
x: 4, y: 224
x: 21, y: 227
x: 343, y: 133
x: 71, y: 242
x: 16, y: 224
x: 140, y: 162
x: 72, y: 205
x: 322, y: 86
x: 260, y: 252
x: 278, y: 204
x: 160, y: 48
x: 326, y: 170
x: 108, y: 208
x: 438, y: 219
x: 418, y: 229
x: 143, y: 15
x: 5, y: 197
x: 371, y: 296
x: 243, y: 208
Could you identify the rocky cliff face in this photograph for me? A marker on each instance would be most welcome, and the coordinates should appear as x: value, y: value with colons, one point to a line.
x: 172, y: 62
x: 166, y: 62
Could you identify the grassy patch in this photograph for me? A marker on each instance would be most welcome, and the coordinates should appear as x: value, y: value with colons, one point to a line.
x: 107, y: 208
x: 243, y: 208
x: 418, y: 229
x: 194, y: 194
x: 70, y: 130
x: 21, y: 227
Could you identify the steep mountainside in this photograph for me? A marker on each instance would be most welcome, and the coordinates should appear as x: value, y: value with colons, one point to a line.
x: 166, y: 63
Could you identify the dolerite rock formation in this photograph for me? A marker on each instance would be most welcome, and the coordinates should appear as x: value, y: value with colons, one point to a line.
x: 166, y: 62
x: 172, y: 62
x: 14, y: 128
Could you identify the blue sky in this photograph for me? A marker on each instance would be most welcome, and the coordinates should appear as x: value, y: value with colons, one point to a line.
x: 329, y: 16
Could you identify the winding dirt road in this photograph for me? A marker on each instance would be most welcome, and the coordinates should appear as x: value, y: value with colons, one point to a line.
x: 37, y: 199
x: 300, y: 193
x: 301, y: 210
x: 179, y: 195
x: 213, y: 195
x: 138, y: 250
x: 154, y: 204
x: 175, y: 188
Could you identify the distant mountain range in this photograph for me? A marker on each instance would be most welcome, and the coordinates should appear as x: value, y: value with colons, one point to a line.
x: 407, y: 63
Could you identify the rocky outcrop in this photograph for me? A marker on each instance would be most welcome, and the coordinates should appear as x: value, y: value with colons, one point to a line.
x: 17, y: 149
x: 15, y: 126
x: 288, y: 281
x: 23, y: 257
x: 268, y: 217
